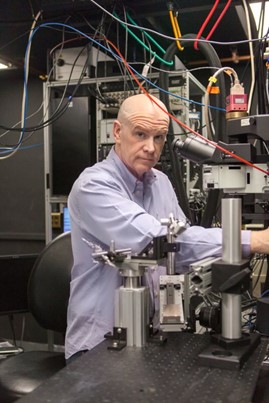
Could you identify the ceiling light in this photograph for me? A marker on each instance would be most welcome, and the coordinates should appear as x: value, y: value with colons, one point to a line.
x: 3, y: 66
x: 256, y: 11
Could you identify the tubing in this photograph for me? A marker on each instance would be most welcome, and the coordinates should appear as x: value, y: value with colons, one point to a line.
x: 220, y: 127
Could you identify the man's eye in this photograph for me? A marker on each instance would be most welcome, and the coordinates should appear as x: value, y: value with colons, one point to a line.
x: 159, y: 139
x: 141, y: 135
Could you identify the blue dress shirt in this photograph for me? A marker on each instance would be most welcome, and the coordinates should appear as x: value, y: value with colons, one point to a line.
x: 107, y: 203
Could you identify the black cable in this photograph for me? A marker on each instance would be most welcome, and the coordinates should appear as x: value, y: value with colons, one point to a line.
x: 220, y: 125
x: 55, y: 116
x: 259, y: 63
x: 214, y: 61
x: 60, y: 111
x: 259, y: 274
x: 266, y: 281
x: 211, y: 206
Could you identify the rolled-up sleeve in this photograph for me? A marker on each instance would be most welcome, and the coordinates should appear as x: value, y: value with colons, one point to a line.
x: 197, y: 243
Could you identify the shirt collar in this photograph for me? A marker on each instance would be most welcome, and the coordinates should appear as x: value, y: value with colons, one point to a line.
x: 131, y: 181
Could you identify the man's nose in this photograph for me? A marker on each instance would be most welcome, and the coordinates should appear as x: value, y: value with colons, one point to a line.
x: 149, y: 145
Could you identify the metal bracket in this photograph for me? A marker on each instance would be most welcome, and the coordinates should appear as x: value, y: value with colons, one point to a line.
x: 119, y: 338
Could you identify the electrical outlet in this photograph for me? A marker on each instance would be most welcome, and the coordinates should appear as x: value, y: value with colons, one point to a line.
x: 56, y: 220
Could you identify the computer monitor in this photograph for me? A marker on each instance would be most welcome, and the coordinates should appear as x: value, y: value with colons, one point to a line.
x: 66, y: 220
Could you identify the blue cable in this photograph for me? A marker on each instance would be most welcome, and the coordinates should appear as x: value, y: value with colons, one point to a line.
x: 51, y: 24
x: 264, y: 293
x: 21, y: 148
x: 174, y: 95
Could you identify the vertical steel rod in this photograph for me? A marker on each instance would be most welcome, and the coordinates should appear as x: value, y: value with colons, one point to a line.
x: 231, y: 253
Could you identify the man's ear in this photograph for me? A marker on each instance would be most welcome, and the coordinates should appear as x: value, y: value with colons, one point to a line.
x: 117, y: 131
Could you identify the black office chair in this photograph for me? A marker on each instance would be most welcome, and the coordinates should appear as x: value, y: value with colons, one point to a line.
x: 48, y: 293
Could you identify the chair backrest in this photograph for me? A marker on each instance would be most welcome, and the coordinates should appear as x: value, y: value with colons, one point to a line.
x: 49, y: 284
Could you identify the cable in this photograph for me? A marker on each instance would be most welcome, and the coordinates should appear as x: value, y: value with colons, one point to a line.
x: 213, y: 197
x: 59, y: 112
x: 267, y: 82
x: 263, y: 107
x: 191, y: 101
x: 266, y: 292
x: 205, y: 24
x: 130, y: 69
x: 125, y: 72
x: 99, y: 30
x: 261, y: 261
x: 251, y: 91
x: 183, y: 39
x: 22, y: 148
x: 212, y: 81
x: 124, y: 25
x: 219, y: 19
x: 55, y: 115
x: 147, y: 35
x: 24, y: 96
x: 213, y: 60
x: 126, y: 45
x: 28, y: 117
x: 33, y: 114
x: 175, y: 26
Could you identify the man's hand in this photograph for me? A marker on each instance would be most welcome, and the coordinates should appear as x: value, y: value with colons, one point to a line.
x: 259, y: 241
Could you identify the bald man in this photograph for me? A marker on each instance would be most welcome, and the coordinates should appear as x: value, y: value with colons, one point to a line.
x: 123, y: 199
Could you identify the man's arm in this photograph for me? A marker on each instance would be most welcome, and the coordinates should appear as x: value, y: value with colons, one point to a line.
x: 259, y: 241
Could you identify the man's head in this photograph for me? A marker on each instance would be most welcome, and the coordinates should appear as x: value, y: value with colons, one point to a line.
x: 140, y: 132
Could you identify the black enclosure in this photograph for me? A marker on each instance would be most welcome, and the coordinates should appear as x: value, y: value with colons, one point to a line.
x: 15, y: 271
x: 73, y: 143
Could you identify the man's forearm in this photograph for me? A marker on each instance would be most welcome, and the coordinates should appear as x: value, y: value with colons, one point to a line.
x: 259, y: 241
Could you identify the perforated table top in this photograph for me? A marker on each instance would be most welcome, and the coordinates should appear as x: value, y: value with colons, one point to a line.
x: 155, y: 373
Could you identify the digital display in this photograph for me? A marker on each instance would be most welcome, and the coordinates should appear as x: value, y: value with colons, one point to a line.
x: 66, y: 220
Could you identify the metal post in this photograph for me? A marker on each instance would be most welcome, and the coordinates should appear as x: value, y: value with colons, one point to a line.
x: 132, y: 303
x: 170, y: 255
x: 232, y: 253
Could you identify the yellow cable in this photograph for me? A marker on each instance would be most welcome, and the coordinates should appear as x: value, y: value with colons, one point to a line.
x: 178, y: 32
x: 176, y: 29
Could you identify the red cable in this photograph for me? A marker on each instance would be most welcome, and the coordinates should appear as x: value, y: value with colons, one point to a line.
x: 205, y: 24
x: 218, y: 20
x: 237, y: 157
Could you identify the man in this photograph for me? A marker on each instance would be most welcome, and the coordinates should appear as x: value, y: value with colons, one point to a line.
x: 123, y: 199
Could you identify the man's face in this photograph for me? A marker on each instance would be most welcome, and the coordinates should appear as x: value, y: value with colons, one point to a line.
x: 139, y: 142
